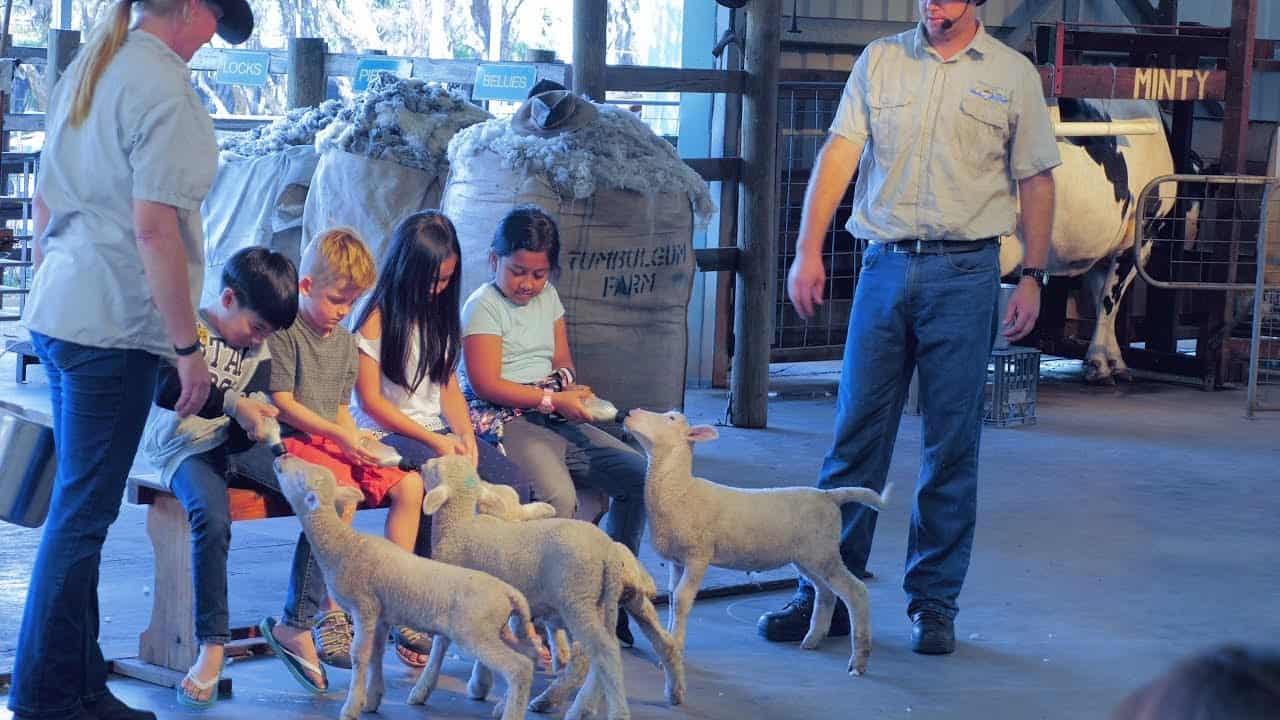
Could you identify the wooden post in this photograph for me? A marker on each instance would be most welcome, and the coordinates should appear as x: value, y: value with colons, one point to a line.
x: 63, y: 45
x: 590, y: 25
x: 1235, y: 139
x: 758, y: 219
x: 722, y: 352
x: 308, y: 83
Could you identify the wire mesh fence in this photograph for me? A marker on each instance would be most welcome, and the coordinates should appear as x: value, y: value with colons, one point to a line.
x: 805, y: 112
x: 18, y: 171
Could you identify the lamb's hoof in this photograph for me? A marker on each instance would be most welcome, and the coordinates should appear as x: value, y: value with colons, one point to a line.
x: 499, y: 708
x: 417, y: 697
x: 1099, y: 374
x: 372, y: 701
x: 811, y: 642
x: 544, y: 703
x: 857, y: 666
x: 477, y: 692
x: 675, y: 695
x: 1124, y: 375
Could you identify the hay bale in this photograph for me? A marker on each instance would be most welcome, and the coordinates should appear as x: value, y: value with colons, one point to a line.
x: 384, y: 157
x: 626, y: 206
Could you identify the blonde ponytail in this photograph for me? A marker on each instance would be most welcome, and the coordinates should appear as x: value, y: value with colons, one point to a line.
x: 101, y: 48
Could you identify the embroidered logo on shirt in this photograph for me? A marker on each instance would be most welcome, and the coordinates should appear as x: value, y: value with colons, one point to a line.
x: 990, y: 93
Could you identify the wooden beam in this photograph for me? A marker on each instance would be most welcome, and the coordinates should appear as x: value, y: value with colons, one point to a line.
x: 848, y: 35
x: 1090, y: 81
x: 717, y: 259
x: 722, y: 351
x: 713, y: 169
x: 756, y: 282
x: 590, y: 38
x: 638, y: 78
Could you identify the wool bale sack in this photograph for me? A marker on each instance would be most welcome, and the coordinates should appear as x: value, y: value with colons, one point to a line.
x: 626, y: 206
x: 259, y: 193
x: 384, y: 158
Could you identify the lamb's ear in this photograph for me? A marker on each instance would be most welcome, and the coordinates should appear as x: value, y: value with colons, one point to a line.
x: 537, y: 511
x: 345, y: 497
x: 435, y: 499
x: 702, y: 433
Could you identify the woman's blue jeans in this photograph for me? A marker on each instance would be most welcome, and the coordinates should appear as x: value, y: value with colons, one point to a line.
x: 101, y: 398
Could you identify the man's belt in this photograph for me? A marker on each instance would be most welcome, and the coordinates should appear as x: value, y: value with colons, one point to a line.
x: 921, y: 246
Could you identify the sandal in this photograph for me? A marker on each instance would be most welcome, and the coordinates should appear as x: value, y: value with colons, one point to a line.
x: 333, y: 635
x: 185, y: 699
x: 411, y: 645
x: 296, y: 665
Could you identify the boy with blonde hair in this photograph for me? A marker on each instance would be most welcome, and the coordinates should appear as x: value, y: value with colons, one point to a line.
x: 313, y: 372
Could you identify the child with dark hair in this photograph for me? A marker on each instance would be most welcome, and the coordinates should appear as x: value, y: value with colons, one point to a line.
x: 1231, y: 682
x: 259, y: 296
x: 407, y: 390
x: 520, y: 382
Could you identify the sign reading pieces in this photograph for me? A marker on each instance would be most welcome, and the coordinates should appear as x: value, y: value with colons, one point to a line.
x: 242, y: 67
x: 367, y: 67
x: 504, y: 82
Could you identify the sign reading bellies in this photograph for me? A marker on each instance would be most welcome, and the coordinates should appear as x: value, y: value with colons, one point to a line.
x: 497, y: 81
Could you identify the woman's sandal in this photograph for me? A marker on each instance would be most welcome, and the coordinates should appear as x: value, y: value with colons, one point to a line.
x: 185, y: 699
x: 411, y: 645
x: 297, y: 666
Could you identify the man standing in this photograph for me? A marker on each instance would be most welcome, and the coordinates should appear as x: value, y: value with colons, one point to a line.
x: 957, y: 140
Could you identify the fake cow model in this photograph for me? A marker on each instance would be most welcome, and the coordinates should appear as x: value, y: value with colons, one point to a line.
x: 1095, y: 207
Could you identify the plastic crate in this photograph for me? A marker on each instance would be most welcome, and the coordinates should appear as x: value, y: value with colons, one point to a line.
x: 1010, y: 394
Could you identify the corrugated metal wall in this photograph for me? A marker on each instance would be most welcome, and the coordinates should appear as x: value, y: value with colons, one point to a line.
x: 995, y: 13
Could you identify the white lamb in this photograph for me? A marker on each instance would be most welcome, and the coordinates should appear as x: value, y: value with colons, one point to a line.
x: 566, y: 568
x: 382, y: 585
x: 694, y: 523
x: 638, y: 592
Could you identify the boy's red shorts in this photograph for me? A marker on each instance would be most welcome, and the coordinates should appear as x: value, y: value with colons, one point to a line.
x: 375, y: 482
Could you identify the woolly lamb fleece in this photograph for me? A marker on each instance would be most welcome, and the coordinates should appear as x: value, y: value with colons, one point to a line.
x: 297, y: 127
x: 404, y: 121
x: 616, y: 152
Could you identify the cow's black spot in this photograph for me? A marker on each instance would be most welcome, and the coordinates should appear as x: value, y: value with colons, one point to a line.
x: 1104, y: 150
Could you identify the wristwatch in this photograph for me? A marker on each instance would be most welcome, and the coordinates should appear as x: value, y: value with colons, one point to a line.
x: 1041, y: 276
x: 191, y: 349
x: 546, y: 407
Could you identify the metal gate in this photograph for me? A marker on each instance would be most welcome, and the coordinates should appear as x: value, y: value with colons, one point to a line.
x: 1232, y: 245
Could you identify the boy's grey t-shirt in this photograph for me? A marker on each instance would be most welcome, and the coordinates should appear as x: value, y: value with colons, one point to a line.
x: 319, y: 371
x: 528, y: 332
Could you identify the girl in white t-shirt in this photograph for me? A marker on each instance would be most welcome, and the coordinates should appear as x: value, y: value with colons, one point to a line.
x: 407, y: 389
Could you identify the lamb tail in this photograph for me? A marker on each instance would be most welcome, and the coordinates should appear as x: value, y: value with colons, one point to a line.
x: 866, y: 496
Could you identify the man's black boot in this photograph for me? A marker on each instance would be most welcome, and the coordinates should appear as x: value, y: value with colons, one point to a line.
x: 932, y: 633
x: 791, y: 623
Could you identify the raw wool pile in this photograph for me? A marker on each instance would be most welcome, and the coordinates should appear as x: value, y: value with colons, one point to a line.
x: 615, y: 152
x: 405, y: 121
x: 297, y: 127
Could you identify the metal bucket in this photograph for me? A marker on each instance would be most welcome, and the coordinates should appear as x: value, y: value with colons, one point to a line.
x: 27, y: 468
x: 1006, y: 292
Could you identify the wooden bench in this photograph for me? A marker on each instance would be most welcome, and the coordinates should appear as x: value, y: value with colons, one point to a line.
x: 25, y: 354
x: 168, y: 647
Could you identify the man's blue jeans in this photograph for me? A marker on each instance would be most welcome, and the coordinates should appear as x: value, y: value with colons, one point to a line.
x: 935, y: 313
x: 100, y: 401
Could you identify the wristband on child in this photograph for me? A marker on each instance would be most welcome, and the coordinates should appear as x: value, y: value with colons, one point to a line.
x: 546, y: 406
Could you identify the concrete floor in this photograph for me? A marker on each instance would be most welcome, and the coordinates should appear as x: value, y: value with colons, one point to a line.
x: 1127, y: 528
